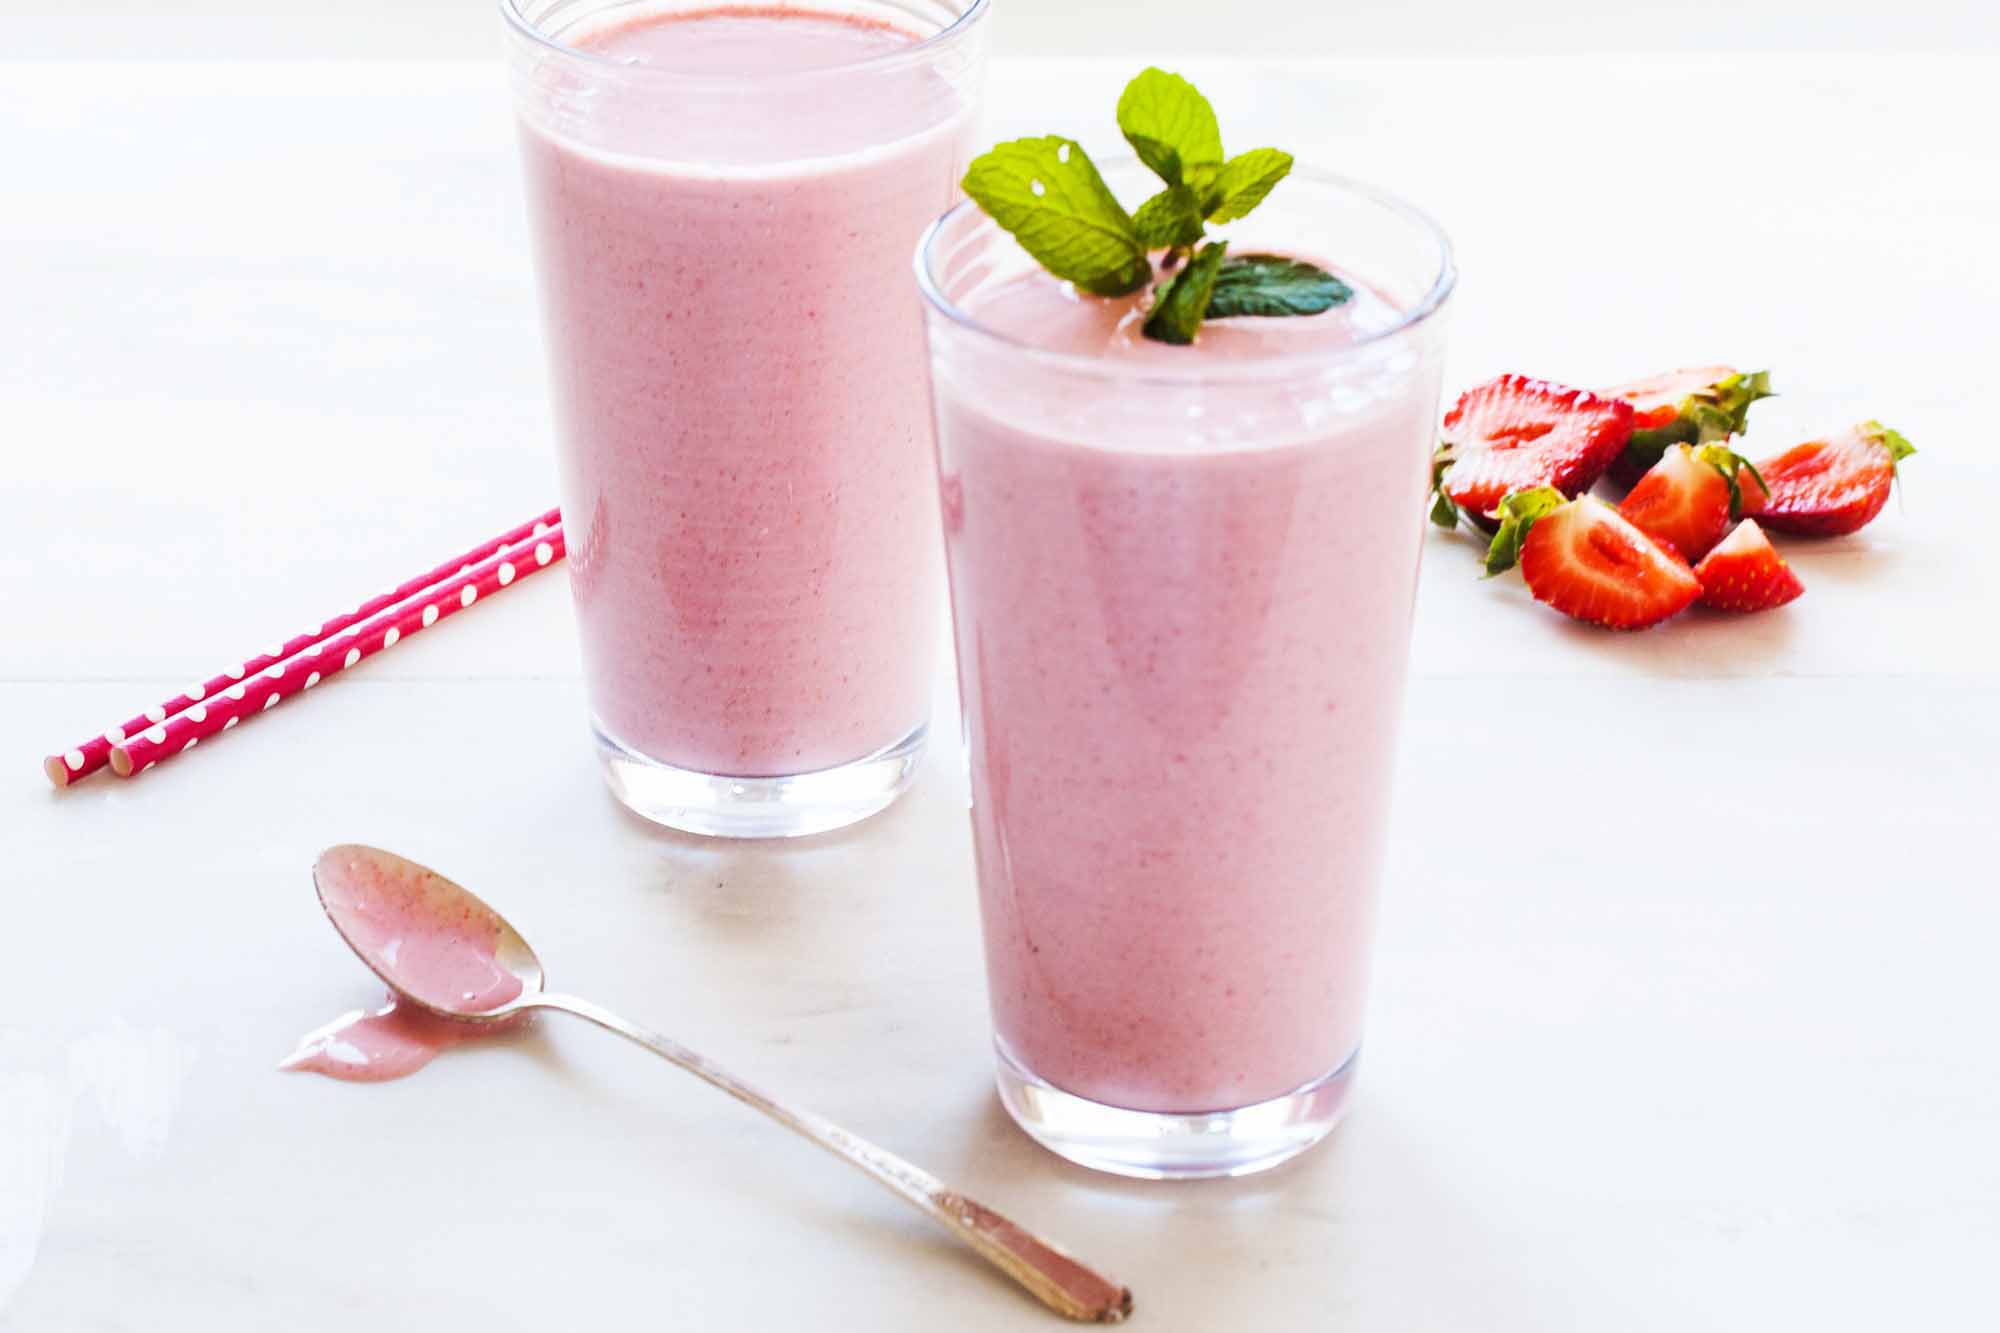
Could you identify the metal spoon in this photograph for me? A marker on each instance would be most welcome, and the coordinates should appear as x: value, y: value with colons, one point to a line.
x: 345, y: 877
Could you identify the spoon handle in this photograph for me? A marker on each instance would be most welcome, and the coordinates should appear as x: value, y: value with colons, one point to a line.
x: 1058, y: 1281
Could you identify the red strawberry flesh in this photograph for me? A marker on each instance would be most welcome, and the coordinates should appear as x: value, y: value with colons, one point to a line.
x: 1656, y: 400
x: 1830, y: 487
x: 1746, y: 573
x: 1587, y: 561
x: 1682, y: 502
x: 1515, y: 433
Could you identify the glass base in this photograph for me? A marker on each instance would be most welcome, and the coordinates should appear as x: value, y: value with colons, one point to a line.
x: 1155, y: 1145
x: 788, y: 807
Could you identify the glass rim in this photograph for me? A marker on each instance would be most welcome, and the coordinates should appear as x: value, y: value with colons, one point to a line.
x: 1439, y: 292
x: 916, y: 52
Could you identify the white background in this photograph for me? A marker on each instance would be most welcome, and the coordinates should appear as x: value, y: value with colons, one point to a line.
x: 1683, y: 1015
x: 389, y: 29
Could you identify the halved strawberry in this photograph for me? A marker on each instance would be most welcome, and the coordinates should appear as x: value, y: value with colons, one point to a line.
x: 1746, y: 573
x: 1587, y: 561
x: 1697, y: 406
x: 1825, y: 488
x: 1515, y: 433
x: 1690, y: 497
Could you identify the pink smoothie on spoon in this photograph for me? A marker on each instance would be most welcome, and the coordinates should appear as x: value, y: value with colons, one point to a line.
x: 740, y: 379
x: 410, y: 925
x: 1183, y: 614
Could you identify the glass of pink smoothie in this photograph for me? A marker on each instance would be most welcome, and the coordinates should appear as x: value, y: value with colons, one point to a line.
x: 723, y: 200
x: 1182, y: 580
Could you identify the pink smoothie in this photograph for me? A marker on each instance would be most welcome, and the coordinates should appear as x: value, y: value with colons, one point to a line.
x: 409, y: 924
x: 740, y: 381
x: 1182, y: 629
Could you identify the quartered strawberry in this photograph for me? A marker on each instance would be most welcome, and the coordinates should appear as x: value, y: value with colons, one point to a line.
x: 1515, y: 433
x: 1690, y: 497
x: 1825, y: 488
x: 1701, y: 405
x: 1585, y: 560
x: 1746, y: 573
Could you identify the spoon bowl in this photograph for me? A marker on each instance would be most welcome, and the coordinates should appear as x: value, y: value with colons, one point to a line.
x: 432, y: 941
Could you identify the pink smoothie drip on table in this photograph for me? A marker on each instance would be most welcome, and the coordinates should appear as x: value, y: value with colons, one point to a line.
x: 374, y: 1046
x: 1182, y: 667
x: 739, y: 371
x: 433, y: 943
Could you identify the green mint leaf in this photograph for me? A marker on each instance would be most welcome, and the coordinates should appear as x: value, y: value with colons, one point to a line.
x: 1177, y: 314
x: 1517, y: 514
x: 1272, y: 285
x: 1047, y: 193
x: 1243, y: 182
x: 1170, y: 218
x: 1169, y: 124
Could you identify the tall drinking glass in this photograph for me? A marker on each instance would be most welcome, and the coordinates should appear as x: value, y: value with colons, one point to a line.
x: 723, y: 200
x: 1182, y: 579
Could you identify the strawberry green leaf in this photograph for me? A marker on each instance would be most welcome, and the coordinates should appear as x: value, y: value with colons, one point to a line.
x: 1170, y: 218
x: 1272, y: 285
x: 1444, y: 510
x: 1899, y: 448
x: 1169, y: 124
x: 1710, y: 415
x: 1177, y: 314
x: 1517, y: 514
x: 1243, y: 182
x: 1730, y: 465
x: 1049, y: 195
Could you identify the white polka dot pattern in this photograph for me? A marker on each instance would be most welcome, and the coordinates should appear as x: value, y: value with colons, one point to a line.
x: 257, y: 684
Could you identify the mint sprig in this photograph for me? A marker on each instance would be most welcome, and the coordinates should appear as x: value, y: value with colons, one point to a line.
x: 1048, y: 194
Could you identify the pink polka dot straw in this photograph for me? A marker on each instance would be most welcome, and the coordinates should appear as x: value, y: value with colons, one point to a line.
x: 296, y: 665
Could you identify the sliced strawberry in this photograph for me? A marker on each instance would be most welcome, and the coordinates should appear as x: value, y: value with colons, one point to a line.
x: 1690, y: 497
x: 1587, y: 561
x: 1656, y: 400
x: 1515, y: 433
x: 1699, y: 406
x: 1746, y: 573
x: 1825, y: 488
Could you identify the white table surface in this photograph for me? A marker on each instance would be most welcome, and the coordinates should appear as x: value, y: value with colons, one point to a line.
x: 1684, y: 1016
